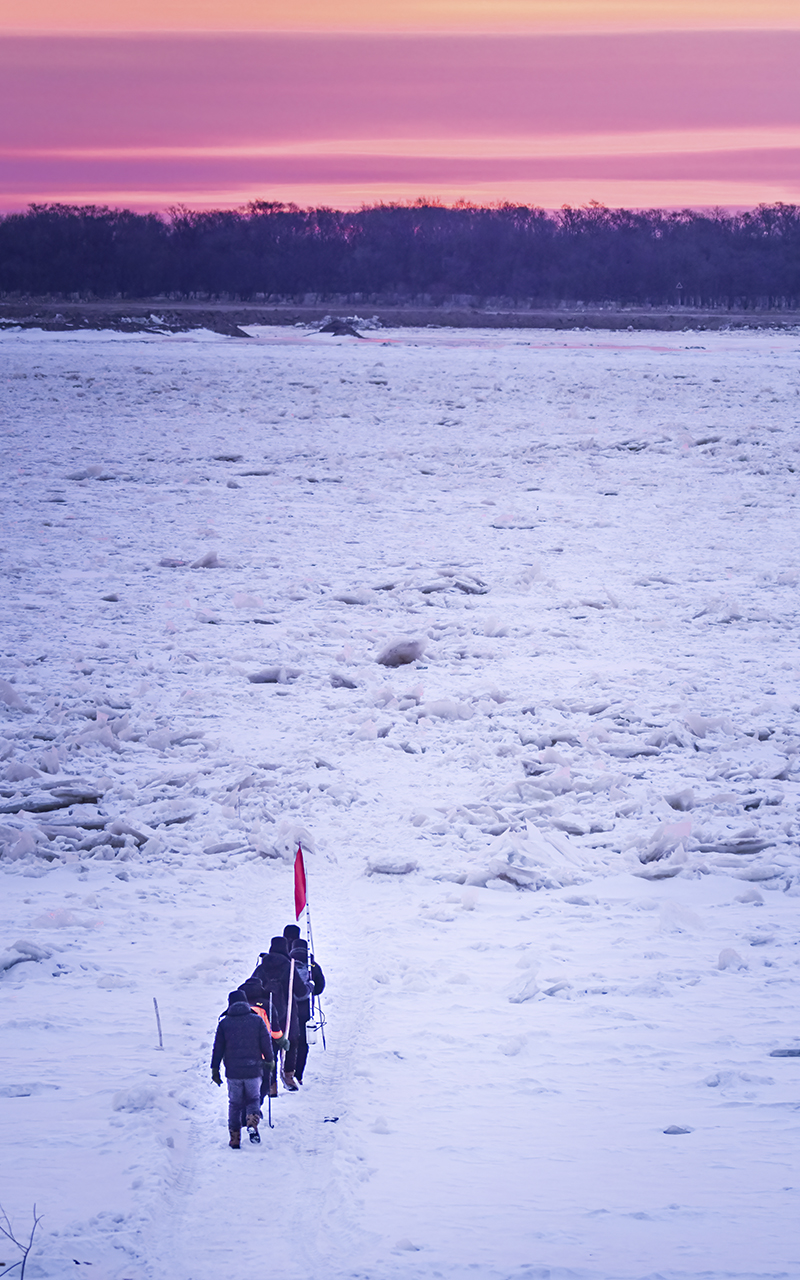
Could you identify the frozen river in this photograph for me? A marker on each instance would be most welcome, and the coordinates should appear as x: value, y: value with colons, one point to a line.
x: 553, y: 862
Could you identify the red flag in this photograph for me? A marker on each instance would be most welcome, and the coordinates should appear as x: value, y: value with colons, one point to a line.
x: 299, y: 883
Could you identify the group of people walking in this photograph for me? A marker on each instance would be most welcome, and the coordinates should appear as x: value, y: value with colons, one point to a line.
x: 267, y: 1016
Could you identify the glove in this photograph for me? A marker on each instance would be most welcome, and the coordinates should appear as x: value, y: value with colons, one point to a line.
x: 282, y: 1044
x: 216, y: 1078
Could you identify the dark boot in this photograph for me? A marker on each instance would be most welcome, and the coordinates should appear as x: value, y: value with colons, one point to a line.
x: 236, y: 1136
x: 252, y: 1128
x: 289, y: 1081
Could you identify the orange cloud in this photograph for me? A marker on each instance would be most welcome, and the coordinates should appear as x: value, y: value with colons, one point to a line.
x: 398, y: 15
x: 669, y: 119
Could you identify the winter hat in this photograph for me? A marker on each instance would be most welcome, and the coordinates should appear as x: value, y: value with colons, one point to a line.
x: 299, y: 950
x: 253, y: 989
x: 291, y: 932
x: 278, y: 946
x: 237, y: 997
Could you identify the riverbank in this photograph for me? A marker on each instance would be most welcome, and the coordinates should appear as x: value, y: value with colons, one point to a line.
x: 158, y: 316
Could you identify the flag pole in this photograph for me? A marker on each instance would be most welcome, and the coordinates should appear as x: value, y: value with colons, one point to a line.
x: 300, y: 905
x: 310, y: 954
x: 314, y: 999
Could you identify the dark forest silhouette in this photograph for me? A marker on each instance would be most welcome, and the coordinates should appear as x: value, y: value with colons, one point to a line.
x: 416, y: 252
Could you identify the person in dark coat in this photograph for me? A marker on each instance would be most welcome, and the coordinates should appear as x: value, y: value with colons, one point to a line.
x: 292, y: 935
x: 314, y: 980
x: 243, y: 1044
x: 257, y: 998
x: 273, y: 970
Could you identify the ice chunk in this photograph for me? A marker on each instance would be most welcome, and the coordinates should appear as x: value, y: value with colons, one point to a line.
x: 681, y: 800
x: 93, y: 472
x: 360, y: 596
x: 289, y: 835
x: 23, y: 845
x: 18, y: 772
x: 676, y: 918
x: 274, y: 675
x: 31, y: 949
x: 537, y: 860
x: 30, y: 1090
x: 10, y: 958
x: 526, y: 990
x: 389, y: 866
x: 11, y: 698
x: 447, y: 709
x: 141, y: 1097
x: 750, y: 895
x: 339, y: 681
x: 666, y: 838
x: 401, y: 653
x: 209, y: 561
x: 51, y: 760
x: 701, y: 725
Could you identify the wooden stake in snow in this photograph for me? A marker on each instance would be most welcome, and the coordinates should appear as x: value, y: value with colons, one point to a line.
x: 158, y: 1024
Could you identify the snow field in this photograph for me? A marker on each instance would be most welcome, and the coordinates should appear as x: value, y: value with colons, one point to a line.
x: 553, y: 861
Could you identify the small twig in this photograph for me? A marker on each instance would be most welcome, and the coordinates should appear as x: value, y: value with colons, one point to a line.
x: 8, y: 1231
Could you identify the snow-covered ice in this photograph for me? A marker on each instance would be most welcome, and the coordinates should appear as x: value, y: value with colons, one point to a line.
x: 503, y: 627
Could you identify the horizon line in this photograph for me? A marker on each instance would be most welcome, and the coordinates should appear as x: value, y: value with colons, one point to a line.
x: 409, y: 202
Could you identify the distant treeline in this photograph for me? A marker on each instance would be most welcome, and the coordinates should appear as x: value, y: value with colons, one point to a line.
x: 409, y: 253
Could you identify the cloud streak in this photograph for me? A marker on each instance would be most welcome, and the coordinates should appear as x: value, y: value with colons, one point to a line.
x: 449, y: 16
x: 633, y: 119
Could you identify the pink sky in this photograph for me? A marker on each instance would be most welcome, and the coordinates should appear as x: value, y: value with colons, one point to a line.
x: 637, y: 118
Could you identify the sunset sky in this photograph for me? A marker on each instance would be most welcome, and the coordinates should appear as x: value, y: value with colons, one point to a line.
x: 150, y: 103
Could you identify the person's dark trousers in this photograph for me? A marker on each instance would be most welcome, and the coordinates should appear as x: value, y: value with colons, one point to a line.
x: 243, y: 1101
x: 290, y: 1060
x: 268, y: 1075
x: 302, y: 1053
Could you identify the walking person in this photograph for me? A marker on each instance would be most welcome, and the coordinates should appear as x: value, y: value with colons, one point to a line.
x: 274, y: 970
x: 243, y: 1045
x: 258, y: 999
x: 314, y: 980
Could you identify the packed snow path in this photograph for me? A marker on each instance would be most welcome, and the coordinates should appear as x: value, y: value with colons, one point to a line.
x: 553, y: 861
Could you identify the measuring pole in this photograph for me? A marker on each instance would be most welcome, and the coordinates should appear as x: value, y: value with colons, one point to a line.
x: 311, y: 975
x: 273, y: 1067
x: 288, y: 1012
